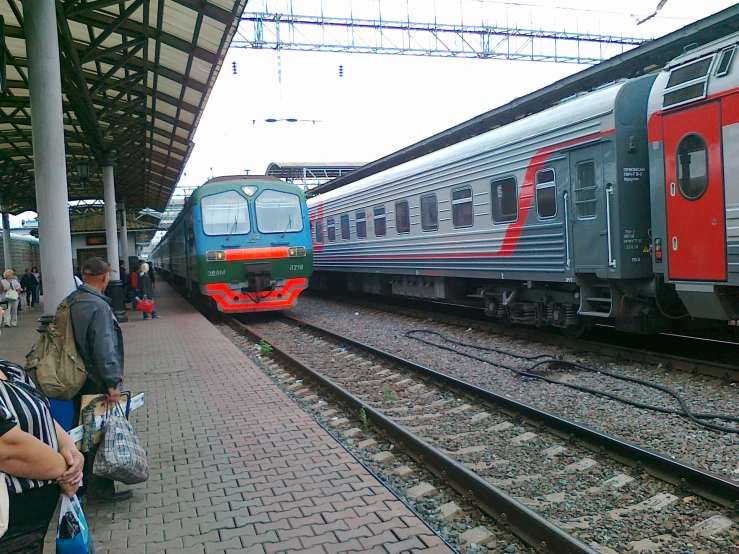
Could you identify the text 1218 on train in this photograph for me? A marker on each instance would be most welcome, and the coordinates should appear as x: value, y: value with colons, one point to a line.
x: 241, y: 241
x: 619, y: 205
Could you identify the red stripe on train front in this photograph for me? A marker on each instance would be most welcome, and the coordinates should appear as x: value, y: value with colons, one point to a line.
x: 228, y: 303
x: 241, y: 254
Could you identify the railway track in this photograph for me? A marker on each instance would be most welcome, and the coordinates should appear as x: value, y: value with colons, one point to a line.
x: 558, y: 485
x: 724, y: 371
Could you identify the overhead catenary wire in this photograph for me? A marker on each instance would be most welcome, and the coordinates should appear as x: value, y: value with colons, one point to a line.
x: 549, y: 360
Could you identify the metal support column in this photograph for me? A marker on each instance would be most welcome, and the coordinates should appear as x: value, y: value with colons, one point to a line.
x: 50, y: 168
x: 6, y: 242
x: 124, y: 236
x: 115, y: 287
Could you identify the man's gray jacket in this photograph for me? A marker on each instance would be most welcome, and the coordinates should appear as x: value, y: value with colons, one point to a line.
x: 98, y: 338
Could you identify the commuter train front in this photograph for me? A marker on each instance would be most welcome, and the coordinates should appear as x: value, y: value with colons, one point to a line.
x: 242, y: 242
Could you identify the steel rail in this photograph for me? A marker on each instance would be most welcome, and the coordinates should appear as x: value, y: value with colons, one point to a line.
x: 726, y: 372
x: 685, y: 476
x: 511, y: 514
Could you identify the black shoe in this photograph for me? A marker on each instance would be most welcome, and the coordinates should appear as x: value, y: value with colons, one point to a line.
x: 116, y: 497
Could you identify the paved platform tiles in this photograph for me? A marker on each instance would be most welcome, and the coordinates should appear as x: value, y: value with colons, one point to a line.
x: 16, y: 342
x: 235, y: 465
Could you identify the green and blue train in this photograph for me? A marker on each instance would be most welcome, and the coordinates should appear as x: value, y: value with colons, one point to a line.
x: 241, y: 241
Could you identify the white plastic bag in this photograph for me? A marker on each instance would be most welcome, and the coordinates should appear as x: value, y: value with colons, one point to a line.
x: 4, y: 504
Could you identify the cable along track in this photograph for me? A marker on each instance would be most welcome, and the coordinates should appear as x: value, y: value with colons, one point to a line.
x: 726, y: 372
x: 512, y: 457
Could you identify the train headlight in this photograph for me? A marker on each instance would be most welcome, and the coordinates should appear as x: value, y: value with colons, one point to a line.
x: 215, y: 255
x: 249, y: 190
x: 296, y: 252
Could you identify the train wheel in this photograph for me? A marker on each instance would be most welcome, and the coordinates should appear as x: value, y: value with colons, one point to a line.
x: 579, y: 330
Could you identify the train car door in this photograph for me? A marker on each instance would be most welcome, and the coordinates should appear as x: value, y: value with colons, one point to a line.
x: 696, y: 227
x: 589, y: 241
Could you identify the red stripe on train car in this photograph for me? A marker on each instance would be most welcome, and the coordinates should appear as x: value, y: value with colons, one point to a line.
x: 513, y: 232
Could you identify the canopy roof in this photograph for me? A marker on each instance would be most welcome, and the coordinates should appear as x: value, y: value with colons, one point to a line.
x: 136, y: 75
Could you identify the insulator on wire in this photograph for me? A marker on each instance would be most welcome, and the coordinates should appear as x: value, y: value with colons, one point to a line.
x: 233, y: 65
x: 341, y: 71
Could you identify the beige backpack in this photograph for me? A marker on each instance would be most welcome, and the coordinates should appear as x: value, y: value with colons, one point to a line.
x: 54, y: 363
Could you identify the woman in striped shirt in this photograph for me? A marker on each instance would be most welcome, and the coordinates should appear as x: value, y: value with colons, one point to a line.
x: 39, y: 460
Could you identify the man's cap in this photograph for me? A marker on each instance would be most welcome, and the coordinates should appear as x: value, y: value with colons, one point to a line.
x: 95, y: 266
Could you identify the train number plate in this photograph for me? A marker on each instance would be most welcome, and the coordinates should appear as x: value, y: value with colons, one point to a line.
x: 216, y: 272
x: 296, y: 267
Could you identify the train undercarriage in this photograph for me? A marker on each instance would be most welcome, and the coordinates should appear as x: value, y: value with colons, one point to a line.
x: 645, y: 306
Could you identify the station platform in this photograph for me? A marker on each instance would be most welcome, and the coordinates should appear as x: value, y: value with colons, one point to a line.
x: 235, y: 465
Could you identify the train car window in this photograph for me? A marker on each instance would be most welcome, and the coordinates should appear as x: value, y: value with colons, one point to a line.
x: 462, y: 214
x: 331, y: 229
x: 585, y: 189
x: 723, y: 67
x: 225, y: 213
x: 429, y: 213
x: 380, y: 223
x: 345, y: 234
x: 402, y: 217
x: 319, y: 231
x: 546, y: 194
x: 361, y: 225
x: 504, y: 195
x: 278, y: 212
x: 692, y: 166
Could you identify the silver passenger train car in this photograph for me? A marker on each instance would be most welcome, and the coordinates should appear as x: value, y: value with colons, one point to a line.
x: 532, y: 219
x: 548, y: 220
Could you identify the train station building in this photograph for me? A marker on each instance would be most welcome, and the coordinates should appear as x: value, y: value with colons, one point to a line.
x: 99, y: 105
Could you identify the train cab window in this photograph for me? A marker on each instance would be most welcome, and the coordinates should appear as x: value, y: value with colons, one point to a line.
x: 402, y: 217
x: 345, y: 234
x: 504, y: 195
x: 692, y: 166
x: 546, y: 194
x: 585, y: 189
x: 278, y: 212
x: 225, y: 213
x: 462, y: 213
x: 331, y: 229
x: 429, y: 213
x: 379, y: 219
x: 361, y: 225
x: 319, y: 231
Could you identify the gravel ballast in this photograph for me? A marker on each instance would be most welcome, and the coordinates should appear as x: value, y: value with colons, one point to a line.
x: 675, y: 435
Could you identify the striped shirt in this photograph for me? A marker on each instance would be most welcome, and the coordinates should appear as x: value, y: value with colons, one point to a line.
x: 22, y: 406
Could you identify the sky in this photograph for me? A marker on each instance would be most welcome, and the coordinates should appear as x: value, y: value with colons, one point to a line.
x: 383, y: 103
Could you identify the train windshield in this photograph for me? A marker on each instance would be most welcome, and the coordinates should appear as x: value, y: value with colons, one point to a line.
x: 225, y: 213
x: 278, y: 212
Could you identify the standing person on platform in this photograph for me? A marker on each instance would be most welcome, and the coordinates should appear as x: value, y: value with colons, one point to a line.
x: 39, y: 290
x: 134, y: 286
x: 8, y: 283
x: 99, y: 341
x: 146, y: 289
x: 29, y: 283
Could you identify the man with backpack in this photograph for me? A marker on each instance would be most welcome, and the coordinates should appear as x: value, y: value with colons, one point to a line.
x: 99, y: 342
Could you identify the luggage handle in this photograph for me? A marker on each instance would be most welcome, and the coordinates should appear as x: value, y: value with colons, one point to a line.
x: 108, y: 409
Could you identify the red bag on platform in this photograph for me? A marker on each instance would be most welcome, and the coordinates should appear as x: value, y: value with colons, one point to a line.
x: 146, y: 306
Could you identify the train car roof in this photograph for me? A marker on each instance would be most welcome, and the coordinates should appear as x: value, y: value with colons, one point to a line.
x: 568, y: 112
x: 701, y: 51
